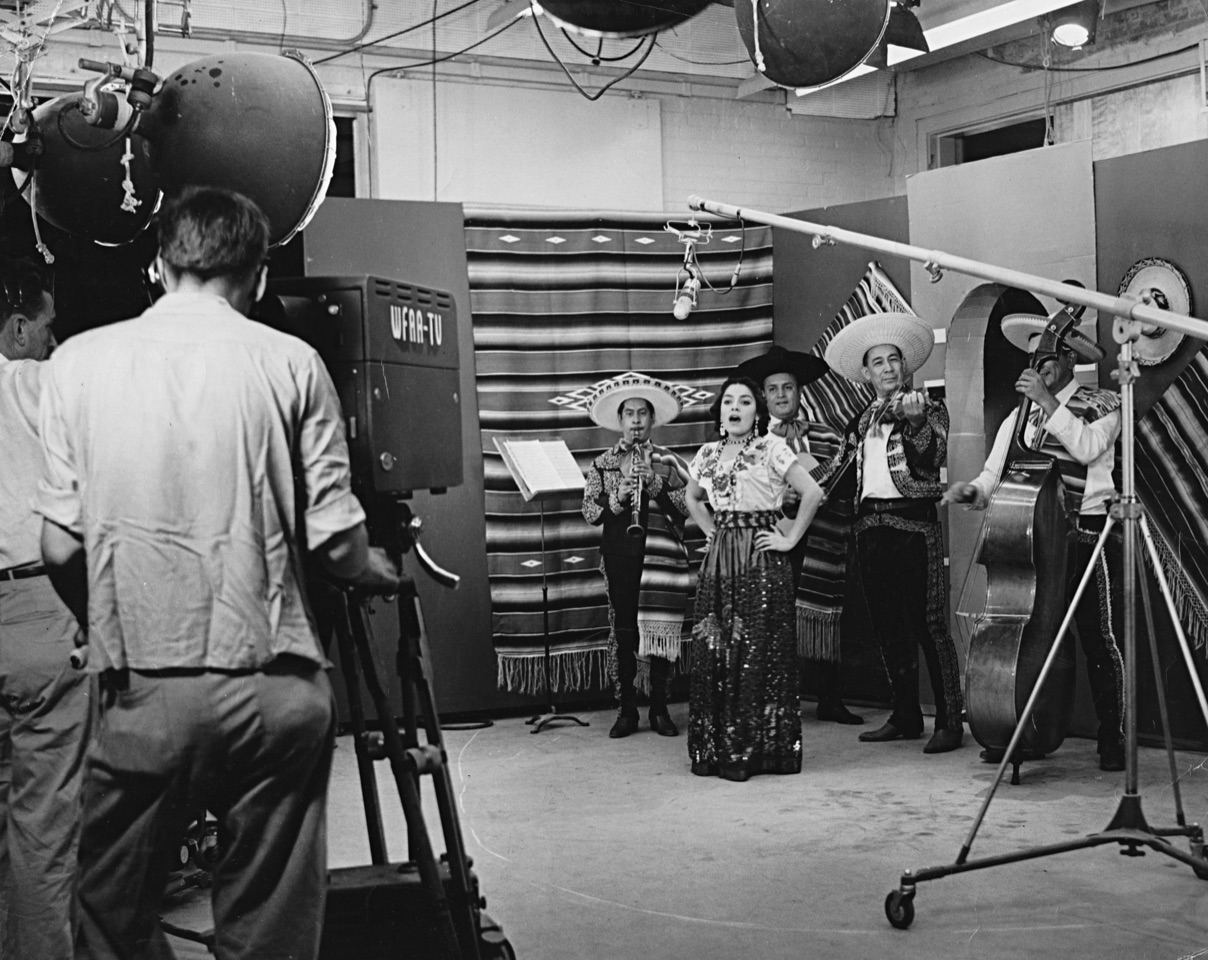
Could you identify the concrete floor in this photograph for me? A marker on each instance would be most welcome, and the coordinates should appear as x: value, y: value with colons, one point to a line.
x: 598, y: 849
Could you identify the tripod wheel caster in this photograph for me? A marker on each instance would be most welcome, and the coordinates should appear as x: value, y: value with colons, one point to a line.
x: 899, y: 909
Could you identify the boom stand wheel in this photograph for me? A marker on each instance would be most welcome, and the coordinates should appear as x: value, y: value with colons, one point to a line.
x: 1128, y: 827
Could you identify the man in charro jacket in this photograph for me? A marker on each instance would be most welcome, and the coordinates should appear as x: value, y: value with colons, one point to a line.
x: 898, y: 445
x: 1078, y: 425
x: 635, y: 493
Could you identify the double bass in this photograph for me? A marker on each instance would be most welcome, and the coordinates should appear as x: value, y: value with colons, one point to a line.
x: 1025, y: 549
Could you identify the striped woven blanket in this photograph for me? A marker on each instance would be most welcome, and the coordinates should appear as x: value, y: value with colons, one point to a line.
x: 559, y: 305
x: 833, y: 400
x: 1172, y: 483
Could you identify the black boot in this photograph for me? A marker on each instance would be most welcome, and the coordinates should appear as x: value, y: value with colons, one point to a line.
x: 626, y: 723
x: 830, y: 696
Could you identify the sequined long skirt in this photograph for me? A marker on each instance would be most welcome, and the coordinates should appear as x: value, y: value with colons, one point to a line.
x: 745, y: 715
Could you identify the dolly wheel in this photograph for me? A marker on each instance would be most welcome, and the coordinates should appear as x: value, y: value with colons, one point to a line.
x: 899, y: 909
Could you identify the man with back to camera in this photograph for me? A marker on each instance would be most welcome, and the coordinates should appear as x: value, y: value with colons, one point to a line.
x: 782, y: 373
x: 44, y: 701
x: 899, y: 443
x: 171, y: 444
x: 1078, y: 425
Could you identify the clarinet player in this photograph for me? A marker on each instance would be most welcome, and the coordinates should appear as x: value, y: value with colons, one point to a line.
x: 635, y: 493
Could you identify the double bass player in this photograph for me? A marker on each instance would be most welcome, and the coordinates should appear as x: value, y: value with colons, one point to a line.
x: 1079, y: 426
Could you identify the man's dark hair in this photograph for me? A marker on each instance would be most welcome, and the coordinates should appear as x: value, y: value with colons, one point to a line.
x: 762, y: 417
x: 21, y: 287
x: 621, y: 406
x: 210, y: 232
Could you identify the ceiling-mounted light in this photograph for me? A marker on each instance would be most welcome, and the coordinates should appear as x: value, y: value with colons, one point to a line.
x: 1075, y: 26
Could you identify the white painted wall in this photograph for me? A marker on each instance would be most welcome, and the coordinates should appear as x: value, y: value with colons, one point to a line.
x: 522, y: 148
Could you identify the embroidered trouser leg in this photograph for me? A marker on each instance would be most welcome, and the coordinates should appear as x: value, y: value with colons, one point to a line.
x: 901, y: 564
x: 1099, y: 619
x: 623, y: 575
x: 44, y: 712
x: 254, y: 749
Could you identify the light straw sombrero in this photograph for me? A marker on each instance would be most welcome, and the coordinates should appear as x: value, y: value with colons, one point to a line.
x: 1022, y: 331
x: 604, y: 403
x: 910, y: 334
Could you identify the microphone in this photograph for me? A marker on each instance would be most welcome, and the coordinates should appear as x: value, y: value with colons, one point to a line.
x: 686, y: 299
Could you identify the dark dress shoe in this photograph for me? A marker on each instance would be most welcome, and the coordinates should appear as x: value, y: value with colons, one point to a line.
x: 944, y: 740
x: 888, y: 732
x: 663, y: 725
x: 995, y: 755
x: 837, y: 713
x: 1111, y: 762
x: 624, y: 726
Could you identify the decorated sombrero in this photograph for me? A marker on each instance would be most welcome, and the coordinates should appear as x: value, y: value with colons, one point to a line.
x: 1023, y: 331
x: 804, y: 367
x: 1163, y: 285
x: 604, y: 403
x: 910, y: 334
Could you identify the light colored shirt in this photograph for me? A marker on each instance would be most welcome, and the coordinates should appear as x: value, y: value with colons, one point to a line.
x: 754, y: 480
x: 1092, y: 444
x: 20, y: 462
x: 172, y: 442
x: 802, y: 441
x: 878, y: 481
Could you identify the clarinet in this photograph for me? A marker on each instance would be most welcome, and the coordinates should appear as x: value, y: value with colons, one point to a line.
x: 635, y: 516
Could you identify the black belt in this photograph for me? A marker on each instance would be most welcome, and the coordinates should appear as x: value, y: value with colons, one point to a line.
x: 879, y: 505
x: 23, y: 573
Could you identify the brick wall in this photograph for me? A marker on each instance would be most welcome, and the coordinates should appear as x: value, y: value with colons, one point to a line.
x: 760, y: 155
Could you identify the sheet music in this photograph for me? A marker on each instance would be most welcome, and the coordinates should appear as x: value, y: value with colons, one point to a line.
x: 540, y: 466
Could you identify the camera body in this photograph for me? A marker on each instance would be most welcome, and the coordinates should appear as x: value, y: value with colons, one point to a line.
x: 391, y: 348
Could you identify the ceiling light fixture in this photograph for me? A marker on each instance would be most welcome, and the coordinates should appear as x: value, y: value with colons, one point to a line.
x: 1074, y: 27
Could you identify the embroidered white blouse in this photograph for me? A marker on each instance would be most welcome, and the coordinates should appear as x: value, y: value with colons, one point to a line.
x: 754, y: 480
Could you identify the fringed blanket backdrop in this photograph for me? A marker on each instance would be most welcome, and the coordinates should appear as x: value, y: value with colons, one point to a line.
x: 559, y: 305
x: 833, y: 400
x: 1172, y: 483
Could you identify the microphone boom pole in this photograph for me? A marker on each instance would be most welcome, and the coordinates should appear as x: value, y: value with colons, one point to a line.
x: 936, y: 261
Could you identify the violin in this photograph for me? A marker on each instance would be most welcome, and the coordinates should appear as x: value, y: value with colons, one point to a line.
x: 1025, y: 550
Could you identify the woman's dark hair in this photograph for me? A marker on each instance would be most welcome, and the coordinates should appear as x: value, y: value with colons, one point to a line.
x: 762, y: 417
x: 209, y: 232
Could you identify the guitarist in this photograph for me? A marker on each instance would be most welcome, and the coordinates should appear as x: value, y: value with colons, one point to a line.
x: 1079, y: 426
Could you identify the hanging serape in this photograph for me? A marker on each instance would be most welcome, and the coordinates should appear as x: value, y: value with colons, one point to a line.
x: 832, y: 401
x: 559, y: 305
x: 1172, y: 483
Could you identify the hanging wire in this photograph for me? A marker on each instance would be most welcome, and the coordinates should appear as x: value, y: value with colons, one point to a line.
x: 575, y: 83
x: 598, y: 56
x: 405, y: 30
x: 428, y: 63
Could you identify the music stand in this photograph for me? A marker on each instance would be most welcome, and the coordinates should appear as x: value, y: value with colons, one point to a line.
x: 543, y: 470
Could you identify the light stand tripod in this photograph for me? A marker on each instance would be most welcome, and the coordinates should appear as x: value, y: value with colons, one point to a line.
x: 551, y: 714
x: 1128, y: 827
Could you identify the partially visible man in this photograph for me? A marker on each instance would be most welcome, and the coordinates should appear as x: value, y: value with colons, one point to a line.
x: 44, y: 701
x: 1078, y: 425
x: 823, y: 550
x: 634, y: 492
x: 193, y: 457
x: 899, y: 443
